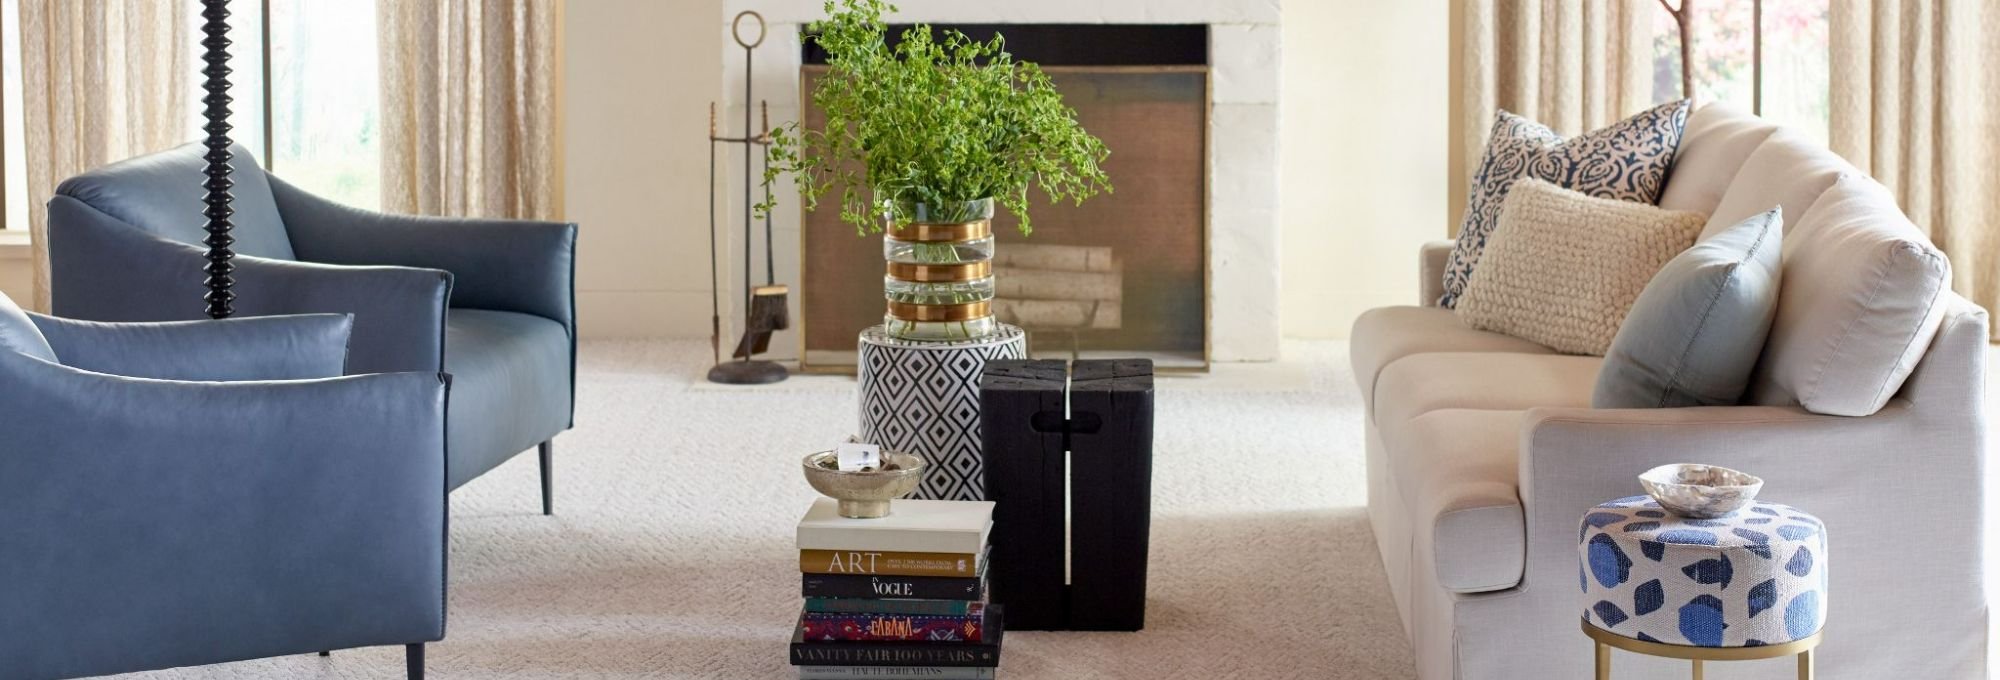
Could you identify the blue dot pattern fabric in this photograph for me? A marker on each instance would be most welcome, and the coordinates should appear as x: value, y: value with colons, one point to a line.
x: 1627, y: 161
x: 1755, y: 577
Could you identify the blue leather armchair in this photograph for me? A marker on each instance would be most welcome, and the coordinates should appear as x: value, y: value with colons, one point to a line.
x: 491, y: 302
x: 191, y: 493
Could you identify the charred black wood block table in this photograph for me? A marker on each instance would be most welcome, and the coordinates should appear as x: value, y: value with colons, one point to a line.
x: 1097, y: 460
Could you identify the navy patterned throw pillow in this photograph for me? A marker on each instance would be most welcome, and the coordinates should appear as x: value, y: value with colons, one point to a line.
x: 1627, y: 161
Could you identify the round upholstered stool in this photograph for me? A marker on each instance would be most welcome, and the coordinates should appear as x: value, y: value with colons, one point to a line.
x: 1750, y: 585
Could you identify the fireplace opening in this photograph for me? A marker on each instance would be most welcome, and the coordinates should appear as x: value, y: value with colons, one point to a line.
x: 1125, y: 274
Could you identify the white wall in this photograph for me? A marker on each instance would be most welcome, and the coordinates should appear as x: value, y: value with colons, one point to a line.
x: 1363, y: 155
x: 638, y: 77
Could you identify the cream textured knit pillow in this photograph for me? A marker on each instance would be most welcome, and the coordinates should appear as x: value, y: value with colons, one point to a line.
x: 1563, y: 268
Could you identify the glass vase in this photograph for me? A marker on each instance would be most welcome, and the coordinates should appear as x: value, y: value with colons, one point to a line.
x: 939, y: 284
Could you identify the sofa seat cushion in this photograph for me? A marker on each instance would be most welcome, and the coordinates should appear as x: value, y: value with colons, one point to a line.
x: 510, y: 387
x: 1457, y: 471
x: 1385, y: 334
x: 1416, y: 385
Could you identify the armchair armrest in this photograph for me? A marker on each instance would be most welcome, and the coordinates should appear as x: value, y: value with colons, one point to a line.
x: 510, y: 265
x: 259, y: 348
x: 107, y: 270
x: 155, y: 524
x: 1432, y: 258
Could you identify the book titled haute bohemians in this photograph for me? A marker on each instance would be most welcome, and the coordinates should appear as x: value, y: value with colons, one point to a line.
x: 834, y: 626
x: 982, y: 654
x: 871, y: 562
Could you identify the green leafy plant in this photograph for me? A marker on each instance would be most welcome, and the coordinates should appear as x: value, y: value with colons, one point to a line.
x: 938, y: 121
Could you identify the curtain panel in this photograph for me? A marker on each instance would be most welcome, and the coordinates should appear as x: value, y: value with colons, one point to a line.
x: 468, y: 107
x: 101, y: 81
x: 1573, y: 66
x: 1915, y: 102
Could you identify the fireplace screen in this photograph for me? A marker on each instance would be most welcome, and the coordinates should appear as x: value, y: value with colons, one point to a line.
x: 1123, y: 275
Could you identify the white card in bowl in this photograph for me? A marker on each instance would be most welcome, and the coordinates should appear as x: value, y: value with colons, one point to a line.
x: 855, y: 457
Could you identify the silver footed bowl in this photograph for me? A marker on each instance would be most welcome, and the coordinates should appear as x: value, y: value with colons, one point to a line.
x: 1700, y: 491
x: 865, y: 495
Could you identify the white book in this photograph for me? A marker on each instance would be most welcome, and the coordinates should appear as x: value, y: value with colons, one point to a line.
x: 915, y: 526
x: 872, y: 672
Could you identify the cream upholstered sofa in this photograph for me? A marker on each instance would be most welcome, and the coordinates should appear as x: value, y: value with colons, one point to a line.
x: 1483, y: 453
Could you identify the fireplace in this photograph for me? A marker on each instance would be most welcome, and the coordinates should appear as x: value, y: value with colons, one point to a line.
x: 1180, y: 92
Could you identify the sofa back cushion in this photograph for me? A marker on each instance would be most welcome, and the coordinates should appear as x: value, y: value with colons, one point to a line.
x: 1859, y: 305
x: 19, y: 334
x: 1563, y: 268
x: 1694, y: 335
x: 1788, y: 170
x: 1719, y: 138
x: 161, y: 194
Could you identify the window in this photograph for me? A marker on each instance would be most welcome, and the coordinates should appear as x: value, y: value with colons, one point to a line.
x: 1793, y: 37
x: 323, y: 118
x: 325, y: 122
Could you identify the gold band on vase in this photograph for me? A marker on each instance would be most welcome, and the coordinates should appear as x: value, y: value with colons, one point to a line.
x: 904, y: 311
x: 940, y: 273
x: 942, y: 232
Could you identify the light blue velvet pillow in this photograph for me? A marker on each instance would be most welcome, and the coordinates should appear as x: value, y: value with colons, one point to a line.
x: 1695, y: 333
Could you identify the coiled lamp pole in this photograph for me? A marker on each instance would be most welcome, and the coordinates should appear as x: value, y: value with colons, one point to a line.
x: 220, y: 267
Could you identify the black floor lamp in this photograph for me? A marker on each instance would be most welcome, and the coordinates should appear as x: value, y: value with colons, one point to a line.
x: 216, y: 110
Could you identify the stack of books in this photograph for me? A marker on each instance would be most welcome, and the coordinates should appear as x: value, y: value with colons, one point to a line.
x: 902, y: 596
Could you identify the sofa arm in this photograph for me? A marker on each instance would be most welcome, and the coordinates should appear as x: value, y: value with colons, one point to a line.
x: 1432, y: 258
x: 258, y: 348
x: 154, y: 524
x: 510, y: 265
x: 1901, y: 492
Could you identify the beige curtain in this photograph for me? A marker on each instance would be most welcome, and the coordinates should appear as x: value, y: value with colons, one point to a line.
x: 1574, y: 65
x: 468, y: 107
x: 1916, y: 103
x: 101, y: 81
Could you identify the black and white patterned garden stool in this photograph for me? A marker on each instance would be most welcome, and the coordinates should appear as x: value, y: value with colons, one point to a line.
x: 923, y: 398
x: 1748, y: 585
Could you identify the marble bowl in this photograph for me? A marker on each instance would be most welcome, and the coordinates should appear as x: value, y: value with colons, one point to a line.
x: 865, y: 495
x: 1700, y: 491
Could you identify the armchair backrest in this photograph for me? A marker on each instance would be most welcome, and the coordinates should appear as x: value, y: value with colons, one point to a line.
x: 161, y: 193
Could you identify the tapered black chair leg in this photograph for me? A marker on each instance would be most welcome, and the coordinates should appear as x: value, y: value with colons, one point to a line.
x: 548, y: 477
x: 415, y: 656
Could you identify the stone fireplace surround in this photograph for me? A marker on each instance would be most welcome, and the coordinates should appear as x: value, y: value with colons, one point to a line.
x: 1243, y: 141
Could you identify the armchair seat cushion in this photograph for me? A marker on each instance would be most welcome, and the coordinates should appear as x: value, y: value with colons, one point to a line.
x: 510, y: 386
x: 1458, y: 473
x: 1385, y: 334
x: 1419, y: 384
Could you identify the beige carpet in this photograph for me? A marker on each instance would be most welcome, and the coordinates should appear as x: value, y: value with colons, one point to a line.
x: 671, y: 555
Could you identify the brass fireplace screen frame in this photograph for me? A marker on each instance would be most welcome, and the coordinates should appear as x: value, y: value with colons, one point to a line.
x: 807, y: 291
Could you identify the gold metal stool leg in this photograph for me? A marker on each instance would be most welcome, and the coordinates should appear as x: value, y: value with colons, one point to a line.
x: 1697, y: 669
x: 1603, y: 661
x: 1806, y: 665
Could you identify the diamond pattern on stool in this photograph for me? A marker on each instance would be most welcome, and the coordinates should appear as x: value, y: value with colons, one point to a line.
x: 923, y: 398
